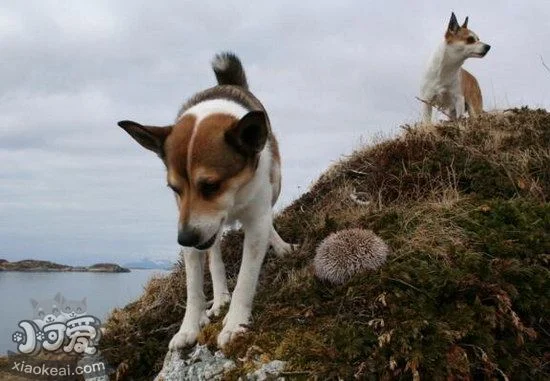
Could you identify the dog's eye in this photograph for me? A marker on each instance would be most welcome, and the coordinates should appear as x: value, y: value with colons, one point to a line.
x: 208, y: 189
x: 175, y: 189
x: 470, y: 40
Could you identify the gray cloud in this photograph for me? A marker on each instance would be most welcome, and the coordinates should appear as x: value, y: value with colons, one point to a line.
x: 75, y: 188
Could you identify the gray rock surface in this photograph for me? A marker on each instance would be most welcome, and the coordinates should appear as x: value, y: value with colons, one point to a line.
x: 269, y: 371
x: 200, y: 365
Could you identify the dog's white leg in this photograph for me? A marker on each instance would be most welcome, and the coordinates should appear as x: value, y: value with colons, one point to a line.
x: 195, y: 311
x: 219, y: 280
x: 256, y: 240
x: 427, y: 114
x: 280, y: 247
x: 459, y: 107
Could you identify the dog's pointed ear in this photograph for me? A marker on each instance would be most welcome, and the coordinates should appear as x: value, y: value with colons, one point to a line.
x: 249, y: 135
x: 149, y: 137
x: 465, y: 25
x: 453, y: 24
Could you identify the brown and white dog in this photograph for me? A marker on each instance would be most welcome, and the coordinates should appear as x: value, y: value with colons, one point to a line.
x: 223, y: 165
x: 446, y: 84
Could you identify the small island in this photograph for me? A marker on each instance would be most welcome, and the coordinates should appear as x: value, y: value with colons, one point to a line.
x: 30, y: 265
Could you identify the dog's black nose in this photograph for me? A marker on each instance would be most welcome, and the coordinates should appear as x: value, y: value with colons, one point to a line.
x: 486, y: 49
x: 188, y: 237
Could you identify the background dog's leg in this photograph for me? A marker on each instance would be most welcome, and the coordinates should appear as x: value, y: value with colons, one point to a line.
x: 459, y: 107
x: 472, y: 110
x: 195, y: 311
x: 280, y: 247
x: 427, y: 113
x: 219, y: 280
x: 256, y: 240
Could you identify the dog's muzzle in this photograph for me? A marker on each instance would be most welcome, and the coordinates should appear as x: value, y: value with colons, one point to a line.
x: 486, y: 49
x: 188, y: 237
x: 191, y: 238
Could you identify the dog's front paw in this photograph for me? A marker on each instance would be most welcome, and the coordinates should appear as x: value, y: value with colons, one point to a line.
x: 218, y: 305
x: 187, y: 335
x: 229, y: 334
x: 183, y: 338
x: 233, y: 326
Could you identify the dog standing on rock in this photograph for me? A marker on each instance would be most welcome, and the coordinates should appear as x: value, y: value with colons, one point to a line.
x: 223, y: 165
x: 447, y: 86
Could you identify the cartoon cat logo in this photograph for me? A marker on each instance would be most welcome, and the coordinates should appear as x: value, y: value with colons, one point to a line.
x: 47, y: 311
x: 73, y: 308
x: 58, y: 323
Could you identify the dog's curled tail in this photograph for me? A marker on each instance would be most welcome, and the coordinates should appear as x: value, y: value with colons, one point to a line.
x: 229, y: 70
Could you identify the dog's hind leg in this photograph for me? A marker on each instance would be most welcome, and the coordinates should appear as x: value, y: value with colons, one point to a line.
x: 474, y: 109
x: 280, y: 247
x: 219, y: 280
x: 195, y: 311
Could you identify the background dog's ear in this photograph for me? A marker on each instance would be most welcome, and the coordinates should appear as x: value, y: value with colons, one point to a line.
x: 465, y: 25
x: 149, y: 137
x: 453, y: 24
x: 249, y: 135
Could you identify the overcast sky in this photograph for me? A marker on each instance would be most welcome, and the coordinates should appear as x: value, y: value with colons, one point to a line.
x: 76, y: 189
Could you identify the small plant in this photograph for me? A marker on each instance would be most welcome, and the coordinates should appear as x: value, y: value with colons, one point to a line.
x: 348, y: 252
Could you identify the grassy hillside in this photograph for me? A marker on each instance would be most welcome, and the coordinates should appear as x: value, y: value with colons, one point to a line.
x: 465, y: 293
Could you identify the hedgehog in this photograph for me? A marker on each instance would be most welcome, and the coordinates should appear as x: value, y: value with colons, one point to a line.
x: 345, y: 253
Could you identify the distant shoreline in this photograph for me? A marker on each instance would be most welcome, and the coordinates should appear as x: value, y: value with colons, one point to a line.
x: 30, y: 265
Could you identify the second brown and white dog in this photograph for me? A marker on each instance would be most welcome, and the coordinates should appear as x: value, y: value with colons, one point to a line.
x: 446, y: 85
x: 223, y: 165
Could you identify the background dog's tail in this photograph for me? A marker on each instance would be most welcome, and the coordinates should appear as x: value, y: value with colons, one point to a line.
x: 229, y: 70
